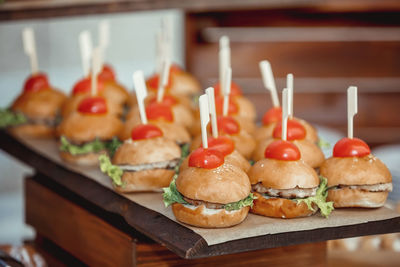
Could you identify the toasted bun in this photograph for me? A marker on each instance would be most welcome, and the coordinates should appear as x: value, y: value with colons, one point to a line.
x: 311, y: 132
x: 81, y: 128
x: 33, y: 130
x: 197, y: 217
x: 311, y: 154
x: 115, y: 93
x: 147, y: 180
x: 279, y: 174
x: 223, y: 185
x: 355, y: 171
x: 348, y: 198
x: 280, y: 207
x: 89, y: 159
x: 184, y: 83
x: 41, y: 104
x: 246, y: 108
x: 146, y: 151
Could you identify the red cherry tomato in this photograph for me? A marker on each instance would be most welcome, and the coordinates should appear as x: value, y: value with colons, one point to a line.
x: 145, y: 131
x: 347, y: 147
x: 295, y: 131
x: 228, y: 125
x: 282, y: 150
x: 206, y: 158
x: 156, y: 111
x: 272, y: 115
x: 219, y: 105
x: 107, y: 74
x: 223, y: 144
x: 36, y: 83
x: 235, y: 89
x: 84, y: 86
x: 93, y: 105
x: 167, y: 99
x: 152, y: 82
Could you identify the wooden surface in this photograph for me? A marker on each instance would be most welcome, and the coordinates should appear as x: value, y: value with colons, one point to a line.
x: 136, y: 220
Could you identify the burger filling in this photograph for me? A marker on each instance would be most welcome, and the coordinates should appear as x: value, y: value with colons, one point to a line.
x: 385, y: 187
x: 10, y: 118
x: 169, y: 165
x: 172, y: 195
x: 94, y: 146
x: 285, y: 193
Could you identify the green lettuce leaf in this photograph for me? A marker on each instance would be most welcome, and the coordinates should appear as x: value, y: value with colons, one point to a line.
x: 185, y: 151
x: 112, y: 146
x: 114, y: 172
x: 248, y: 201
x: 319, y: 199
x: 95, y: 146
x: 323, y: 144
x: 10, y: 118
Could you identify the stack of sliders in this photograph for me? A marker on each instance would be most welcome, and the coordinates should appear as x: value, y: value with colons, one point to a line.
x: 92, y: 129
x: 210, y: 192
x: 36, y: 111
x: 148, y: 160
x: 284, y: 186
x: 356, y: 178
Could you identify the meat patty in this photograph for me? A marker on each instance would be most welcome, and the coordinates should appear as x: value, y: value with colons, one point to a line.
x: 169, y: 165
x: 285, y: 193
x: 371, y: 188
x: 208, y: 205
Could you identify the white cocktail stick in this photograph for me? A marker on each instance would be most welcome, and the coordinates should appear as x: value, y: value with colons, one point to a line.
x: 269, y: 81
x: 213, y: 113
x: 285, y: 112
x: 204, y: 118
x: 352, y: 109
x: 28, y: 38
x: 224, y: 58
x: 163, y: 80
x: 85, y: 45
x: 141, y: 93
x: 227, y: 90
x: 104, y: 39
x: 95, y: 69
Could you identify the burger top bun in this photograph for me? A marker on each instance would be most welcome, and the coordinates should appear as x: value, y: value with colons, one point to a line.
x: 355, y: 171
x: 146, y: 151
x: 80, y: 128
x: 115, y: 93
x: 40, y: 104
x: 222, y: 185
x: 183, y: 83
x: 279, y: 174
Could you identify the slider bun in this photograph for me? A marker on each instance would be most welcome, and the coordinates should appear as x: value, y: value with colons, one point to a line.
x: 89, y: 159
x: 183, y: 83
x: 33, y: 130
x: 279, y: 174
x: 348, y: 198
x: 311, y: 154
x: 41, y: 104
x: 280, y: 207
x: 146, y: 180
x: 198, y: 218
x: 146, y: 151
x: 222, y: 185
x: 245, y: 124
x: 115, y: 93
x: 81, y: 128
x: 246, y: 108
x: 366, y: 170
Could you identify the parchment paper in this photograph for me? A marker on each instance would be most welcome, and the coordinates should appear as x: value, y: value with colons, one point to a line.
x: 254, y: 225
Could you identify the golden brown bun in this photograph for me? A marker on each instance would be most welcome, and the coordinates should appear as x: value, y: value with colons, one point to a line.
x: 71, y: 105
x: 235, y: 158
x: 311, y: 132
x: 115, y: 93
x: 184, y: 83
x: 218, y: 220
x: 89, y: 159
x: 182, y: 99
x: 80, y: 128
x: 311, y: 154
x: 280, y: 208
x: 349, y: 198
x: 42, y: 104
x: 147, y: 180
x: 223, y: 185
x: 146, y: 151
x: 246, y: 108
x: 279, y: 174
x: 355, y: 171
x: 33, y: 130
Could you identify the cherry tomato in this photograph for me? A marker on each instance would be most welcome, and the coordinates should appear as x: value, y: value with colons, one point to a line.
x: 272, y: 115
x: 145, y: 131
x: 107, y: 74
x: 219, y: 105
x: 295, y: 131
x: 152, y: 82
x: 206, y: 158
x: 235, y: 89
x: 223, y: 144
x: 156, y: 111
x: 93, y: 105
x: 282, y: 150
x: 167, y: 99
x: 84, y: 86
x: 36, y: 83
x: 227, y: 125
x: 354, y: 147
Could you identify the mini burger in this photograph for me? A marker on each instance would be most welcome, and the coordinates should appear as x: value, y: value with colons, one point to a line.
x: 356, y: 178
x: 286, y: 187
x: 35, y: 113
x: 89, y: 132
x: 209, y: 193
x: 146, y: 162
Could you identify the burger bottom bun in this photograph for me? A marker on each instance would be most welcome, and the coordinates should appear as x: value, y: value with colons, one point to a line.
x: 349, y: 198
x: 147, y: 180
x: 89, y: 159
x: 197, y: 217
x: 33, y: 130
x: 280, y: 208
